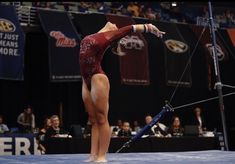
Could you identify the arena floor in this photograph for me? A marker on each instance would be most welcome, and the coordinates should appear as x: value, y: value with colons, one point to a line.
x: 213, y: 156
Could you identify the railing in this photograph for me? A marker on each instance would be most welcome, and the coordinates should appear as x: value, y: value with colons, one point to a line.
x: 202, y: 21
x: 27, y: 15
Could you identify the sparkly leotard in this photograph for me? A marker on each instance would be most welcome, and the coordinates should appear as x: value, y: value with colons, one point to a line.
x: 92, y: 50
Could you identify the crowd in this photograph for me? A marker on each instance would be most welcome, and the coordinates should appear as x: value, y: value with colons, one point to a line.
x: 174, y: 129
x: 162, y: 11
x: 52, y: 128
x: 226, y: 18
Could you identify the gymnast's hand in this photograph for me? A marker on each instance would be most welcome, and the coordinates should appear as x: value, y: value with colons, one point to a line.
x: 154, y: 30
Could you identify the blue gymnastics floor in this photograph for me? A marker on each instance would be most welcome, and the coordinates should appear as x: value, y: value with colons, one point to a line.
x: 213, y: 156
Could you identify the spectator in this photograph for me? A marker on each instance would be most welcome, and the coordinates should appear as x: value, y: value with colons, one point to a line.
x: 124, y: 11
x: 136, y: 126
x: 158, y: 130
x: 229, y: 17
x: 47, y: 5
x: 199, y: 120
x: 54, y: 130
x: 205, y: 12
x: 158, y: 16
x: 115, y: 7
x: 3, y: 127
x: 222, y: 19
x: 66, y: 6
x: 134, y: 8
x: 148, y: 119
x: 26, y: 121
x: 83, y: 7
x: 41, y: 136
x: 150, y: 14
x: 125, y: 131
x: 102, y: 7
x: 175, y: 128
x: 183, y: 20
x: 118, y: 127
x: 46, y: 125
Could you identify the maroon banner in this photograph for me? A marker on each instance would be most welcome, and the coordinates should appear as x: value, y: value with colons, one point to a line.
x: 206, y: 42
x: 231, y: 33
x: 133, y: 52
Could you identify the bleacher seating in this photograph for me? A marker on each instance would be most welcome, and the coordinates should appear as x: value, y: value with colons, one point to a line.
x: 187, y: 12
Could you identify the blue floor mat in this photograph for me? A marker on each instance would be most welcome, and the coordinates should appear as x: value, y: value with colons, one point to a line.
x: 213, y: 156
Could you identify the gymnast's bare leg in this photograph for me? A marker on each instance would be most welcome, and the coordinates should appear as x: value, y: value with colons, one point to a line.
x: 90, y: 108
x: 96, y: 104
x: 100, y: 97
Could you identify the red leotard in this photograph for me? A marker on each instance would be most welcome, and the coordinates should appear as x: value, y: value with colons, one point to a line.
x: 92, y: 50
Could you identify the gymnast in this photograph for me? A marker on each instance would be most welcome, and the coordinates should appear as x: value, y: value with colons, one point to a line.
x: 95, y: 86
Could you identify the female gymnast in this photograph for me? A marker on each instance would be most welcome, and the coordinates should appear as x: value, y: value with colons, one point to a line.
x: 95, y: 88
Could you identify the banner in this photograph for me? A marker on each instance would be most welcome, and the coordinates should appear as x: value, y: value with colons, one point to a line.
x: 231, y: 33
x: 18, y: 144
x: 206, y: 42
x: 12, y: 40
x: 85, y: 24
x: 134, y: 66
x: 63, y: 45
x: 177, y: 53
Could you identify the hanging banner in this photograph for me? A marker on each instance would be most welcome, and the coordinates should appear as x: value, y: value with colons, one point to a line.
x: 12, y: 41
x: 134, y: 65
x: 177, y: 53
x: 206, y: 42
x: 63, y: 45
x: 231, y: 33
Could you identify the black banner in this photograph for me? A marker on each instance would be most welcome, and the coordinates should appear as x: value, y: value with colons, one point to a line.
x: 177, y: 53
x: 63, y: 45
x: 206, y: 42
x: 12, y: 40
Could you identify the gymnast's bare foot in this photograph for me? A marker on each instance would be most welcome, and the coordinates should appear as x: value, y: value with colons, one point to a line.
x: 92, y: 158
x: 101, y: 160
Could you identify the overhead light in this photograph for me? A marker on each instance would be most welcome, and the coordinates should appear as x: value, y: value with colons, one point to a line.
x: 173, y: 4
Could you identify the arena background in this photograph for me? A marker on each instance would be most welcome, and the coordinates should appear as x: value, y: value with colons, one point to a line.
x: 126, y: 102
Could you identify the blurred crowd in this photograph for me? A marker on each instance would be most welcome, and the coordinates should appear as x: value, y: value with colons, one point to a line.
x: 177, y: 12
x: 162, y: 11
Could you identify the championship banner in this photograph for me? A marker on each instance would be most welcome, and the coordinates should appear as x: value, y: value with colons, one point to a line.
x: 63, y: 46
x: 206, y: 42
x: 134, y: 65
x: 177, y: 53
x: 12, y: 40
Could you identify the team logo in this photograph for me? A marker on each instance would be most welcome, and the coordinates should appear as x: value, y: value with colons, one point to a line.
x: 129, y: 43
x: 219, y: 51
x: 132, y: 42
x: 176, y: 46
x: 6, y: 26
x: 62, y: 40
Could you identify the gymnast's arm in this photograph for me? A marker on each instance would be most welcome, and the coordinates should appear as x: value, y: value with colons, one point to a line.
x: 120, y: 33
